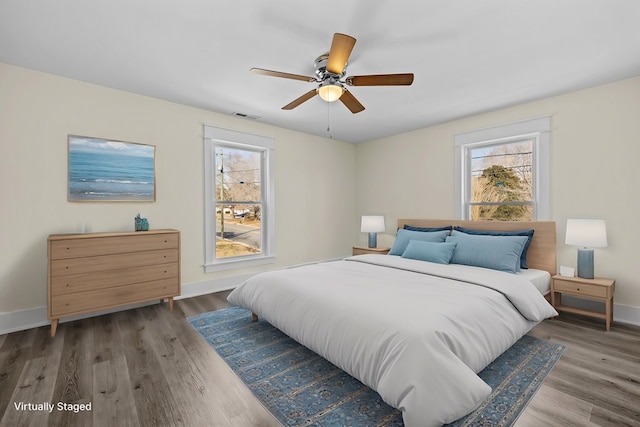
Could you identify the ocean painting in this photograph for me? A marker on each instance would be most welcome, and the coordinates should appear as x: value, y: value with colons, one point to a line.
x: 108, y: 170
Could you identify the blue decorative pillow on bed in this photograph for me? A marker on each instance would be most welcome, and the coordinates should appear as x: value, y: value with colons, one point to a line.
x: 528, y: 233
x: 430, y: 251
x: 412, y: 228
x: 494, y: 252
x: 404, y: 236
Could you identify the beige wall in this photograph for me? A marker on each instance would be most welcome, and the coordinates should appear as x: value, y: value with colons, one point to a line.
x: 315, y: 179
x: 595, y: 148
x: 322, y: 185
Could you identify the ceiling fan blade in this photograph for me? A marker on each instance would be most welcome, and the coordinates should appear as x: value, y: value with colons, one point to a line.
x: 307, y: 96
x: 283, y: 75
x: 351, y: 102
x: 341, y: 47
x: 380, y: 80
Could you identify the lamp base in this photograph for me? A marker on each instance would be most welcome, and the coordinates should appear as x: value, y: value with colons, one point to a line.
x: 585, y: 263
x: 373, y: 240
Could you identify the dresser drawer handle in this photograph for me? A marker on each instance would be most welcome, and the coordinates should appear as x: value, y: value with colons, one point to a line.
x: 578, y: 288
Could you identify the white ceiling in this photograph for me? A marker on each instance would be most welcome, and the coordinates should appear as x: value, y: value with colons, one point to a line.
x: 468, y: 56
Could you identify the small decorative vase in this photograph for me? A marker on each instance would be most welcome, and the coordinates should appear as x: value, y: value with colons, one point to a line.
x: 141, y: 224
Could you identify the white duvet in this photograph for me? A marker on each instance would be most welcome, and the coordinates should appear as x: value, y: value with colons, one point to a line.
x: 414, y: 331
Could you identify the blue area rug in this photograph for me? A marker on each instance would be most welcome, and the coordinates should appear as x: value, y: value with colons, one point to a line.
x: 302, y: 389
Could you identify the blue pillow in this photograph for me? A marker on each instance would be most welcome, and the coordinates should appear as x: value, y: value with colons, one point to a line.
x: 495, y: 252
x: 412, y: 228
x: 430, y: 251
x: 403, y: 237
x: 528, y: 233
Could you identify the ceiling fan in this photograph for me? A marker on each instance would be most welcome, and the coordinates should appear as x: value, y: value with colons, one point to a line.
x: 330, y: 71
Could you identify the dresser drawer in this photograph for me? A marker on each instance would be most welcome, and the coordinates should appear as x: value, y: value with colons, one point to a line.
x: 94, y: 246
x: 580, y: 288
x: 81, y: 302
x: 67, y: 284
x: 70, y: 266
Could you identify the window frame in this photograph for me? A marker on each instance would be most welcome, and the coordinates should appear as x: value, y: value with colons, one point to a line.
x: 538, y: 130
x: 219, y: 137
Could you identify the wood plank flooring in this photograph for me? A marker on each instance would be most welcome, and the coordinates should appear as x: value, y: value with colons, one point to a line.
x: 148, y: 367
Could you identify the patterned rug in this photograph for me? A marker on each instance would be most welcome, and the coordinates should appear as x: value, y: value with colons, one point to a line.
x: 302, y: 389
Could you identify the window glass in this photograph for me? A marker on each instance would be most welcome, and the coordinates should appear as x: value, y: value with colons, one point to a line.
x: 501, y: 181
x: 238, y: 201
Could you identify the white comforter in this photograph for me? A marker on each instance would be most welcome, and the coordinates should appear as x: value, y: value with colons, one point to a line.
x: 401, y: 326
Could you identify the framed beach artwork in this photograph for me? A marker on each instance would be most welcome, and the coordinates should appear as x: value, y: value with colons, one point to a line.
x: 106, y: 170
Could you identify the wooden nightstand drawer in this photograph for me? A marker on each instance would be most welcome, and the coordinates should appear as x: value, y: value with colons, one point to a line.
x: 357, y: 250
x: 580, y: 288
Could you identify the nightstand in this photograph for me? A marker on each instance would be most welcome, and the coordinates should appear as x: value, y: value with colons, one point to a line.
x: 598, y: 288
x: 360, y: 250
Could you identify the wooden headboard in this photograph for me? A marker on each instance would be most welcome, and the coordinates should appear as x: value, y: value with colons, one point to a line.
x: 542, y: 251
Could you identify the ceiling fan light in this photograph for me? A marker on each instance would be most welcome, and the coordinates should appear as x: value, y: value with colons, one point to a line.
x: 330, y: 93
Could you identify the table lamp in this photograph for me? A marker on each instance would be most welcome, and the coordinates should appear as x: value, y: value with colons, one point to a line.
x: 372, y: 224
x: 587, y: 233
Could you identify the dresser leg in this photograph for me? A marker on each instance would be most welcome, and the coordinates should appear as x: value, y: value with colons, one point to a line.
x: 54, y: 326
x: 170, y: 303
x: 608, y: 313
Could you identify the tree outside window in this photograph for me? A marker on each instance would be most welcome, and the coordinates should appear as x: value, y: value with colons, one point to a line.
x: 238, y: 196
x: 501, y: 181
x: 502, y: 172
x: 238, y: 199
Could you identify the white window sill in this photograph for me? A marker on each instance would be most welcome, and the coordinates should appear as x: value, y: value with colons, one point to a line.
x: 238, y: 263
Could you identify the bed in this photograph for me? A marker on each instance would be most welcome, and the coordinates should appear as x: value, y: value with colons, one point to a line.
x: 416, y: 331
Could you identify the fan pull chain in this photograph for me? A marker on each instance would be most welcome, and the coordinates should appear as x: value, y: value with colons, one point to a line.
x: 329, y: 120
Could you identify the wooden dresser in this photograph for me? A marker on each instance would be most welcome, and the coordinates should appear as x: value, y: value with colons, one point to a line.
x: 97, y: 271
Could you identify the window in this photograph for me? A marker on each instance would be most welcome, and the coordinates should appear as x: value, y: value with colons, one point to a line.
x: 500, y: 181
x: 504, y: 172
x: 238, y: 199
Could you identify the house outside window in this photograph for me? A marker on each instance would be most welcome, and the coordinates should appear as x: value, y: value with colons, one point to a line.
x: 239, y: 223
x: 503, y: 172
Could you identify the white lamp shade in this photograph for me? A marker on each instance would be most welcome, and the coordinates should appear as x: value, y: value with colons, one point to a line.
x: 588, y: 233
x: 372, y: 223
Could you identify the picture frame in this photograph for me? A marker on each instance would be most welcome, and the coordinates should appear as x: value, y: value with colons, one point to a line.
x: 109, y: 170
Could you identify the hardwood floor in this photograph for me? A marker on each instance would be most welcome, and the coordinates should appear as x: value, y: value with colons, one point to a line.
x: 148, y: 367
x: 597, y: 380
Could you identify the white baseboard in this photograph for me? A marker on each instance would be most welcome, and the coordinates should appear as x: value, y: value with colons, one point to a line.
x: 195, y: 289
x: 626, y: 314
x: 20, y: 320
